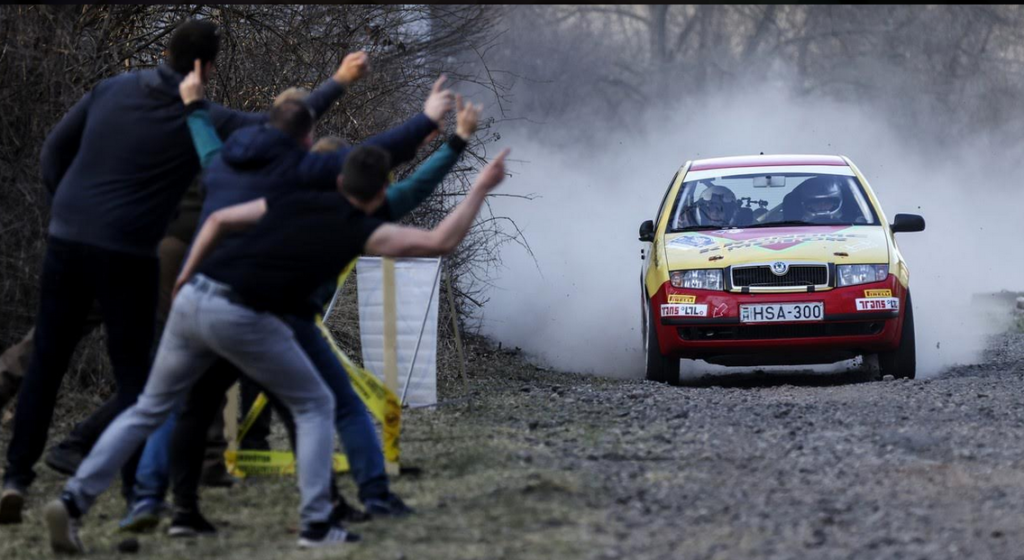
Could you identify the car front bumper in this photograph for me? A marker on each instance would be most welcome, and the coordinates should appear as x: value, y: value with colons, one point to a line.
x: 720, y: 336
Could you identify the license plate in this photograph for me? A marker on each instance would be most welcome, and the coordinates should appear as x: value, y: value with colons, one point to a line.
x: 778, y: 312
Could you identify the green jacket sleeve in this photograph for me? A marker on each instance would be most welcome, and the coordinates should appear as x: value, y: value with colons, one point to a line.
x: 405, y: 195
x: 204, y: 134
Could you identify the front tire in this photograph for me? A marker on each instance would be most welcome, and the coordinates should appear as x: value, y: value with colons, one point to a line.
x: 901, y: 362
x: 659, y: 368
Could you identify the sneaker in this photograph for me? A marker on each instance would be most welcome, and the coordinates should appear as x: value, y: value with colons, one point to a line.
x: 344, y: 512
x: 64, y: 460
x: 63, y: 528
x: 11, y: 503
x: 143, y: 516
x: 388, y: 506
x: 320, y: 535
x: 190, y: 524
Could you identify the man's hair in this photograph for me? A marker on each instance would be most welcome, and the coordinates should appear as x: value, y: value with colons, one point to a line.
x: 191, y: 40
x: 329, y: 144
x: 293, y: 118
x: 294, y: 93
x: 365, y: 173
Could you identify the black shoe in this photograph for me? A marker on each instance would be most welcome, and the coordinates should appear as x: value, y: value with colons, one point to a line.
x: 388, y: 506
x: 344, y: 512
x: 190, y: 524
x: 64, y: 460
x: 320, y: 535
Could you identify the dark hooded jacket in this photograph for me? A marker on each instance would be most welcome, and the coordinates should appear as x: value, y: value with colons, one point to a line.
x: 119, y: 161
x: 261, y: 161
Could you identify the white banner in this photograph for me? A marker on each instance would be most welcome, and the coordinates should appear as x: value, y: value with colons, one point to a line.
x: 415, y: 280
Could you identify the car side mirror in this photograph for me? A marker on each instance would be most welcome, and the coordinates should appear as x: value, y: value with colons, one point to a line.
x: 647, y: 231
x: 907, y: 223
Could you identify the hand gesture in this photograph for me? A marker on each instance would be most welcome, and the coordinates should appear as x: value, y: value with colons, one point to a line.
x: 493, y: 173
x: 467, y: 117
x: 353, y: 67
x: 439, y: 101
x: 191, y: 88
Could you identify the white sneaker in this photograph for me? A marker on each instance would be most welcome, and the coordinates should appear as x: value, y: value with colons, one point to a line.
x: 63, y: 529
x: 335, y: 536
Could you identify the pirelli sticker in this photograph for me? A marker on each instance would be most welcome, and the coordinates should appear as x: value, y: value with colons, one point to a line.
x: 680, y: 298
x: 878, y: 293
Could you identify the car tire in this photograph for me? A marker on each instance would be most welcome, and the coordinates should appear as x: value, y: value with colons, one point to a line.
x: 901, y: 362
x: 659, y: 368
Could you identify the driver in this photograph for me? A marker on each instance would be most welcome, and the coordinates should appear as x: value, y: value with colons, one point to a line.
x: 716, y: 206
x: 821, y: 201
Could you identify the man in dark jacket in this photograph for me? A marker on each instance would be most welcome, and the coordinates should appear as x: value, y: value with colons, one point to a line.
x: 117, y: 165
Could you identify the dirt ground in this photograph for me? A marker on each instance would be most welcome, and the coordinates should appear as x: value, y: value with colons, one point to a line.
x: 524, y: 463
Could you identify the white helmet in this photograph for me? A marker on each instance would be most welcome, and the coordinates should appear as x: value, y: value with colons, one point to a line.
x: 716, y: 206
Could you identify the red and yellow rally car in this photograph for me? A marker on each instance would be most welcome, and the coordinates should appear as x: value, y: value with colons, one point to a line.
x: 774, y: 260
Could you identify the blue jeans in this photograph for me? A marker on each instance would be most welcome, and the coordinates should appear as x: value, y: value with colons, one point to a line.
x: 353, y: 422
x: 154, y: 467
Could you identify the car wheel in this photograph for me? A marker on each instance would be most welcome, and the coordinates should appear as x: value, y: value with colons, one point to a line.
x: 659, y: 368
x: 901, y: 362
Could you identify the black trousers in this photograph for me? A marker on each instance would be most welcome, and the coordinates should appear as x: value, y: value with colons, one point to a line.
x: 75, y: 274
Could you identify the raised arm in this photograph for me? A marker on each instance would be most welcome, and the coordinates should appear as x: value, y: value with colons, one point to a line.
x: 197, y: 116
x: 352, y: 68
x: 405, y: 195
x: 390, y: 240
x: 232, y: 218
x: 403, y: 140
x: 62, y: 144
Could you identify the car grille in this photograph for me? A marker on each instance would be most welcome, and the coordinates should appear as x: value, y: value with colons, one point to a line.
x: 770, y: 332
x: 797, y: 275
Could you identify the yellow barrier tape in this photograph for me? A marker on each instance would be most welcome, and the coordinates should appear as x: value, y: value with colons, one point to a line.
x: 379, y: 400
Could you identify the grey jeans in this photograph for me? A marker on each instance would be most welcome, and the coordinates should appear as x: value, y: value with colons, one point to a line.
x: 203, y: 325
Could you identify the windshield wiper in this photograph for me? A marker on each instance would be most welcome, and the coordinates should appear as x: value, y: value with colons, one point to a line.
x: 790, y: 223
x: 701, y: 228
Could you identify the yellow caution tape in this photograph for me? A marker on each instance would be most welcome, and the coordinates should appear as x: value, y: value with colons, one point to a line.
x: 379, y: 400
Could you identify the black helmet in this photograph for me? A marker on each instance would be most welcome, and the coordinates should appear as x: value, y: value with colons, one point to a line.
x: 821, y: 200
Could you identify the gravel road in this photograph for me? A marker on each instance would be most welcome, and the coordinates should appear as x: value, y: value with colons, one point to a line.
x: 523, y: 463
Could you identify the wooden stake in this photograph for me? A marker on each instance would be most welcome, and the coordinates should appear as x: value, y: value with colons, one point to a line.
x: 455, y: 327
x: 390, y: 326
x: 231, y: 417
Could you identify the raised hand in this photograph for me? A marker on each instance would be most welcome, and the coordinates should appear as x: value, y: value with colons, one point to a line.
x: 467, y: 117
x: 493, y: 173
x: 353, y: 67
x: 439, y: 101
x: 192, y: 88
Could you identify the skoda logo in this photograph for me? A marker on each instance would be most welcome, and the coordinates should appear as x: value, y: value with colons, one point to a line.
x: 779, y: 268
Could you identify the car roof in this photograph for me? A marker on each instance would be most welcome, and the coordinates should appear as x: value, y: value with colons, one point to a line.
x: 765, y: 161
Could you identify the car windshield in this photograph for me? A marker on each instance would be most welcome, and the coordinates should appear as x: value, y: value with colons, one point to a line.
x: 770, y: 200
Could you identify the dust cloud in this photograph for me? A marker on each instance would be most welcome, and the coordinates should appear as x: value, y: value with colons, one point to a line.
x: 577, y: 307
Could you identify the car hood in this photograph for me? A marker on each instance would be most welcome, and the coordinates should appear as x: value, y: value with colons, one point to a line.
x: 854, y: 245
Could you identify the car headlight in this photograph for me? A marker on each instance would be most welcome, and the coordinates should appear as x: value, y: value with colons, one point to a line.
x: 853, y: 274
x: 706, y: 279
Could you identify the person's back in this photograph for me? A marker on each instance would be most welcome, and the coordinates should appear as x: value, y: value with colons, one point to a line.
x: 134, y: 162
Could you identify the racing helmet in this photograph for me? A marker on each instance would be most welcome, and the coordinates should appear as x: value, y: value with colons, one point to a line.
x: 821, y: 200
x: 716, y: 206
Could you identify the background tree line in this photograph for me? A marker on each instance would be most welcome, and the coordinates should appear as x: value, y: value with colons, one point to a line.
x: 937, y: 72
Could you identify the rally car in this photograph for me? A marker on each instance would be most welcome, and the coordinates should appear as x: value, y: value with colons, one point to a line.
x: 774, y: 260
